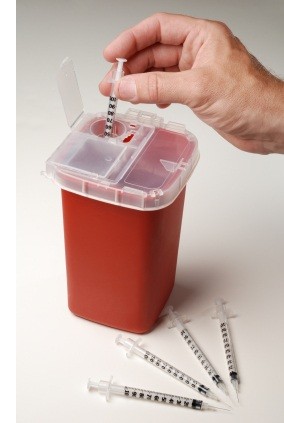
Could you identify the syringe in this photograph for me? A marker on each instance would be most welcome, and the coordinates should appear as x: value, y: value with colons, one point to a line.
x: 177, y: 321
x: 222, y: 315
x: 133, y: 347
x: 107, y: 388
x: 112, y: 99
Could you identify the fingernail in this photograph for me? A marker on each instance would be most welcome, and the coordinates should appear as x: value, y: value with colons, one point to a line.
x: 126, y: 89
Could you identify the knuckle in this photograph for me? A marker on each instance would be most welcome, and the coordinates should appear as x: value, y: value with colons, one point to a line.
x: 159, y: 15
x: 219, y: 27
x: 222, y: 27
x: 154, y: 87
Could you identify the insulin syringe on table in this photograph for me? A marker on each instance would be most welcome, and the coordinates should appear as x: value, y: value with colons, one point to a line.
x: 222, y: 315
x: 112, y: 99
x: 133, y: 347
x: 107, y: 388
x: 178, y: 322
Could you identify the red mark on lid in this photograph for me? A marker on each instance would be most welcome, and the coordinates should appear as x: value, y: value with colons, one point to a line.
x: 128, y: 138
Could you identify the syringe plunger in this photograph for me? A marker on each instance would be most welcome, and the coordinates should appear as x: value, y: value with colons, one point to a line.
x: 105, y: 387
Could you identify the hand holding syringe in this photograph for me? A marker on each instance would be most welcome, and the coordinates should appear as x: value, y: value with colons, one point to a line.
x: 112, y: 99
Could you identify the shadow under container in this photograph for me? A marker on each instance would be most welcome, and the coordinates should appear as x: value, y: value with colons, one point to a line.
x: 122, y: 201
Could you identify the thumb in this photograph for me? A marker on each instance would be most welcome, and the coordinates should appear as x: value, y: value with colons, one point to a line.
x: 154, y: 87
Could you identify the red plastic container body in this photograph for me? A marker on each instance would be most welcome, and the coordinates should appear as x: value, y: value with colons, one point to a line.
x: 121, y: 262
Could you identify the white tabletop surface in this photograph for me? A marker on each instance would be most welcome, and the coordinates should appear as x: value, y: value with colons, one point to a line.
x: 232, y: 241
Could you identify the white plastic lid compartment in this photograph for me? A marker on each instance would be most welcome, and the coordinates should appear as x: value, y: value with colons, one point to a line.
x: 162, y: 161
x: 84, y: 164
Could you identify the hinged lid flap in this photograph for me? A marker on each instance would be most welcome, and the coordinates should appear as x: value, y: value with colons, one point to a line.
x: 69, y: 91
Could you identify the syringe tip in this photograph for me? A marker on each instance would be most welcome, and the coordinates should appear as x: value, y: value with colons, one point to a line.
x: 214, y: 397
x: 223, y: 388
x: 223, y: 409
x: 237, y: 394
x: 235, y: 384
x: 206, y: 406
x: 211, y: 395
x: 227, y: 405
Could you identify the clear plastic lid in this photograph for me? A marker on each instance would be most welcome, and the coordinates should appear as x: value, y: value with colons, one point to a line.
x: 145, y: 165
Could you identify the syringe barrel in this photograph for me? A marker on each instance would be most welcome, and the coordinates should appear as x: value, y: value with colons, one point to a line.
x: 229, y: 350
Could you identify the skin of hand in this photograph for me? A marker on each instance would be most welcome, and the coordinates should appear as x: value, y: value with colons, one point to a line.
x: 201, y: 64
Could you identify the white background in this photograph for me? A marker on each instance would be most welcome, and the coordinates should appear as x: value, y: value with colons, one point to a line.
x: 232, y: 241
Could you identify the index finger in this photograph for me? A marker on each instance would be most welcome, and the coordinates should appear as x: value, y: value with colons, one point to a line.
x: 161, y: 28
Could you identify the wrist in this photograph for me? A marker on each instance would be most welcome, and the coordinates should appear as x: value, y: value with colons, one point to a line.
x: 273, y: 116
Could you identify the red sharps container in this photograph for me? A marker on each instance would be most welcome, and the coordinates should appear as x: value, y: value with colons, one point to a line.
x: 122, y: 200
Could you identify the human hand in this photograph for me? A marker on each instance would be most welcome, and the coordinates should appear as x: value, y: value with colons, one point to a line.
x: 200, y: 63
